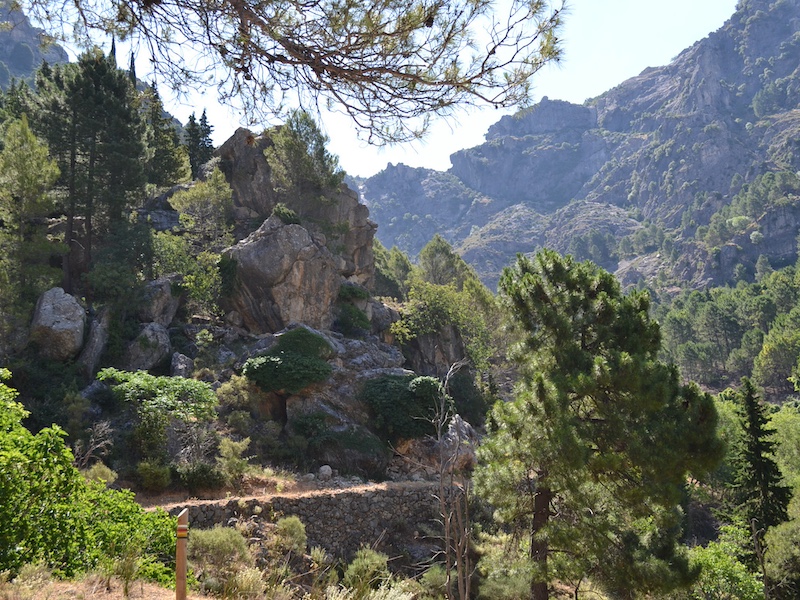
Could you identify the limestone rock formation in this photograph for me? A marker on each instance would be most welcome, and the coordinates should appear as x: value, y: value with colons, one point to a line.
x: 283, y: 275
x: 58, y: 325
x: 150, y: 348
x: 433, y: 354
x: 341, y: 220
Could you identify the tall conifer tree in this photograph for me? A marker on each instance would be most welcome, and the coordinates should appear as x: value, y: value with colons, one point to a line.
x: 760, y: 492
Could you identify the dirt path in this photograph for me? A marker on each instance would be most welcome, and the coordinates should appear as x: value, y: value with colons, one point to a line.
x: 297, y: 491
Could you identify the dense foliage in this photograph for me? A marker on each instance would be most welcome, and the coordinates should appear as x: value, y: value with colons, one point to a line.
x: 51, y: 514
x: 296, y: 361
x: 404, y: 406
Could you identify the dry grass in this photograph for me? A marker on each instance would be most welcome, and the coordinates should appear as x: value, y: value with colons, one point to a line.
x: 90, y: 587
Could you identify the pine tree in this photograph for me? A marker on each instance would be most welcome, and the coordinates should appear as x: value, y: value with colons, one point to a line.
x: 590, y: 461
x: 198, y: 142
x: 89, y: 115
x: 26, y: 175
x: 760, y: 493
x: 168, y: 162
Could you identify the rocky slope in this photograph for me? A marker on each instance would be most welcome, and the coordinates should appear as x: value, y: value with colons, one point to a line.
x: 670, y: 146
x: 23, y: 47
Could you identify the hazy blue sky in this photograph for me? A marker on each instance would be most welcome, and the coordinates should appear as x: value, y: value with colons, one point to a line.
x: 604, y: 43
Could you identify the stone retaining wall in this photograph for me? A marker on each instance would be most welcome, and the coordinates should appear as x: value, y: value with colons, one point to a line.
x: 340, y: 521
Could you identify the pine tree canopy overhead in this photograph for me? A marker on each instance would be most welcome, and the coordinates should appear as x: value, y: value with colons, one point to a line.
x: 389, y: 64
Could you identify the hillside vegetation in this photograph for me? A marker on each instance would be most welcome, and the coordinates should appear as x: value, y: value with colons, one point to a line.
x: 186, y: 321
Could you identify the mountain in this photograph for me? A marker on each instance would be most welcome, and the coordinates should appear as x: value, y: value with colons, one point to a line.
x: 23, y: 47
x: 655, y: 157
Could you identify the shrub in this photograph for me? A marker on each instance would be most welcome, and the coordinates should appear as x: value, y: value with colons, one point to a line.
x: 153, y: 476
x: 157, y: 400
x: 291, y: 534
x: 230, y: 462
x: 198, y: 476
x: 349, y: 292
x: 49, y: 513
x: 285, y: 214
x: 287, y: 372
x: 351, y: 320
x: 469, y: 401
x: 404, y: 406
x: 239, y: 394
x: 217, y: 555
x: 305, y: 342
x: 368, y: 570
x: 100, y: 473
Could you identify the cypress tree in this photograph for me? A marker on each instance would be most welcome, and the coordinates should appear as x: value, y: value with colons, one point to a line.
x: 760, y: 493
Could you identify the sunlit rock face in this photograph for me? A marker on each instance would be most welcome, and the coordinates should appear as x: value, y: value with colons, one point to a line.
x: 58, y: 325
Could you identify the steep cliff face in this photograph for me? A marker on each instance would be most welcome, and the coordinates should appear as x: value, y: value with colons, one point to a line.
x: 669, y: 146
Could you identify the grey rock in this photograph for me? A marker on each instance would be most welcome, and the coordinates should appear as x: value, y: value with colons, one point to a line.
x: 325, y: 473
x: 58, y: 325
x: 150, y: 348
x: 283, y: 276
x: 160, y: 305
x: 96, y: 343
x: 181, y: 365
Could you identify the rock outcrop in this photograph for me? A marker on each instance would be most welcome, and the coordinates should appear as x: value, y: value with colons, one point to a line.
x: 160, y: 304
x: 338, y: 219
x: 95, y: 343
x: 150, y: 348
x: 58, y: 325
x: 283, y: 275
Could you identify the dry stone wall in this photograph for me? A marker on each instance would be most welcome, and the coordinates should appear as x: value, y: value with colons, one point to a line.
x: 340, y: 521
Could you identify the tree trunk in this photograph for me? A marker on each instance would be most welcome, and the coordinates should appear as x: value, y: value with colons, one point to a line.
x: 539, y: 548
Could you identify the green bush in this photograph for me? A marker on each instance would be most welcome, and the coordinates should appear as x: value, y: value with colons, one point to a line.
x: 351, y: 320
x: 404, y: 406
x: 350, y: 291
x: 157, y: 401
x: 368, y: 570
x: 230, y: 461
x: 239, y: 394
x: 153, y: 476
x: 287, y: 372
x: 305, y: 342
x: 197, y: 476
x: 217, y: 555
x: 291, y: 534
x: 469, y: 401
x: 285, y: 214
x: 99, y: 472
x: 49, y: 513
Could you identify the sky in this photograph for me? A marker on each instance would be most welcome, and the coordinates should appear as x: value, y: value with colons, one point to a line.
x: 604, y: 42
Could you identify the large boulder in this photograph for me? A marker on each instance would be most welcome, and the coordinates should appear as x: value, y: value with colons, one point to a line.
x: 160, y: 304
x: 58, y: 325
x: 283, y: 275
x: 150, y: 348
x: 434, y: 353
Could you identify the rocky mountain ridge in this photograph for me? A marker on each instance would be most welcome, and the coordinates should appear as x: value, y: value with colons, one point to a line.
x: 669, y: 146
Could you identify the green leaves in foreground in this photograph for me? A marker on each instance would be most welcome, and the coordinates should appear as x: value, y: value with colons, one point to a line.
x: 49, y: 513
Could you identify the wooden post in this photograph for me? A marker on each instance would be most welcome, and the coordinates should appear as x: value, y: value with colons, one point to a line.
x: 180, y: 555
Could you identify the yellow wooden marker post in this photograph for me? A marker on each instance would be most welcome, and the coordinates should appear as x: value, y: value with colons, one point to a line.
x: 180, y: 555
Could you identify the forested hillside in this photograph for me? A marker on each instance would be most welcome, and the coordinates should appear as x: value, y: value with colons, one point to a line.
x: 627, y: 178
